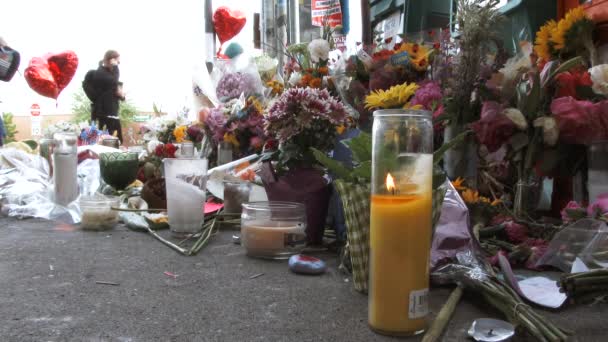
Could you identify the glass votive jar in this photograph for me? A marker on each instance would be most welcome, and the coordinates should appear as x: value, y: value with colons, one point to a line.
x: 97, y: 213
x: 224, y: 153
x: 235, y: 194
x: 273, y: 230
x: 111, y: 142
x: 186, y: 149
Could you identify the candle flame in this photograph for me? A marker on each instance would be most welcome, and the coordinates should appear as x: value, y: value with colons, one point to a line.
x: 390, y: 183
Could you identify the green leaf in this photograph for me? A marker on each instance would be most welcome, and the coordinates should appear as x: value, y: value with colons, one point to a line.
x: 533, y: 99
x: 518, y: 141
x: 457, y: 140
x: 567, y: 65
x: 439, y: 176
x: 360, y: 146
x: 363, y: 171
x: 334, y: 166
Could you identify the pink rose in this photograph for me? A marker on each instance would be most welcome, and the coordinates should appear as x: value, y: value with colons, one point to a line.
x: 599, y: 207
x: 517, y: 233
x: 493, y: 128
x: 572, y: 205
x: 580, y: 122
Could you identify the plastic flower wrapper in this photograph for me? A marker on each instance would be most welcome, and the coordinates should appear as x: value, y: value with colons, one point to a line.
x: 61, y: 127
x: 236, y: 77
x: 267, y: 67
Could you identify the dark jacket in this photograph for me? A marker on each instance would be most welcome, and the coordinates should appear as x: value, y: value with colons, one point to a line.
x: 100, y: 87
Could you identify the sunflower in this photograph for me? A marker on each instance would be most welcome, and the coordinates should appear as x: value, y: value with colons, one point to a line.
x: 180, y: 133
x: 542, y: 44
x: 558, y: 36
x: 395, y: 97
x: 418, y: 54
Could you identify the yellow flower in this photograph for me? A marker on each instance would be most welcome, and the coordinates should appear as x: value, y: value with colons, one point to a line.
x: 458, y: 184
x: 180, y: 133
x: 558, y: 35
x: 395, y: 97
x: 496, y: 202
x: 340, y: 129
x: 542, y: 44
x: 231, y: 138
x: 470, y: 196
x: 418, y: 54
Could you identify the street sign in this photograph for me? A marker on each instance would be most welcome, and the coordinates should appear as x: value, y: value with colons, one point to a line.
x: 35, y: 110
x: 36, y: 127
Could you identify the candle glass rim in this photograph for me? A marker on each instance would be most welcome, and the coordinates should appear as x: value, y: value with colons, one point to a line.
x: 387, y: 113
x: 184, y: 158
x: 273, y: 205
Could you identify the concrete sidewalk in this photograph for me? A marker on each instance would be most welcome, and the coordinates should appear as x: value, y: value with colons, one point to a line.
x: 48, y: 292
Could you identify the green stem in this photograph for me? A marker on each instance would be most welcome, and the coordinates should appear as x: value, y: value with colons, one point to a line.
x: 444, y: 316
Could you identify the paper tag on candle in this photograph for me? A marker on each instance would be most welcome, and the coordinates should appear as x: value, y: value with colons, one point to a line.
x: 419, y: 304
x: 365, y: 57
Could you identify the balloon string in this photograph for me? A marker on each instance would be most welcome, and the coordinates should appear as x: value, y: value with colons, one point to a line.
x: 219, y: 50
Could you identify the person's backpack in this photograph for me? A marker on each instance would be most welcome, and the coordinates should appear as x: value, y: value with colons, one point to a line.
x: 88, y: 86
x: 9, y: 62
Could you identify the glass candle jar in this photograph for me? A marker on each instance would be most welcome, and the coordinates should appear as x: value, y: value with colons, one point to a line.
x: 186, y: 149
x: 65, y: 162
x: 401, y: 221
x: 224, y: 153
x: 185, y: 184
x: 111, y: 142
x: 598, y: 170
x: 273, y: 230
x: 97, y: 213
x: 235, y: 194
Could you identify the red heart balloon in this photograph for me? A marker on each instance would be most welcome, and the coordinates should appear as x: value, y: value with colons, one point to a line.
x: 228, y: 23
x: 50, y: 74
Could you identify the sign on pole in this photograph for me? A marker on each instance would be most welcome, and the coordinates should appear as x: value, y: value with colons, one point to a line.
x: 36, y: 119
x: 329, y: 10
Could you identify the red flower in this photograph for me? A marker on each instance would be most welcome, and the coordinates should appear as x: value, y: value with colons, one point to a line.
x: 493, y: 128
x: 388, y: 40
x: 567, y: 82
x: 436, y: 46
x: 170, y: 150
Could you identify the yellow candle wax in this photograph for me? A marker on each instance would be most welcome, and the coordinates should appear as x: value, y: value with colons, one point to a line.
x: 400, y: 242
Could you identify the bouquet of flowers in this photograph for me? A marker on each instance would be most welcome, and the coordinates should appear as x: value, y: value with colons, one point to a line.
x: 90, y: 134
x: 301, y: 119
x: 239, y: 122
x: 379, y: 67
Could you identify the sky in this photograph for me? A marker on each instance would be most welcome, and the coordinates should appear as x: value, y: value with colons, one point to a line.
x: 160, y: 42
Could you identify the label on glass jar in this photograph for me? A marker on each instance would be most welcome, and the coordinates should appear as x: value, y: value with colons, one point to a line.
x: 419, y: 304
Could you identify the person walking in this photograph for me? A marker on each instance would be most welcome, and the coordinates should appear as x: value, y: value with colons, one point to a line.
x: 103, y: 87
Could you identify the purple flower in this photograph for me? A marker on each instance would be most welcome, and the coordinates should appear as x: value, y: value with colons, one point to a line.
x: 232, y: 85
x: 572, y: 205
x: 216, y: 122
x: 298, y: 109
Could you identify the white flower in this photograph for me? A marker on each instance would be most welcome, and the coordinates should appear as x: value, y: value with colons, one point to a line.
x: 294, y: 79
x: 518, y: 64
x: 319, y: 50
x: 599, y: 77
x: 152, y: 146
x: 550, y: 129
x: 517, y: 117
